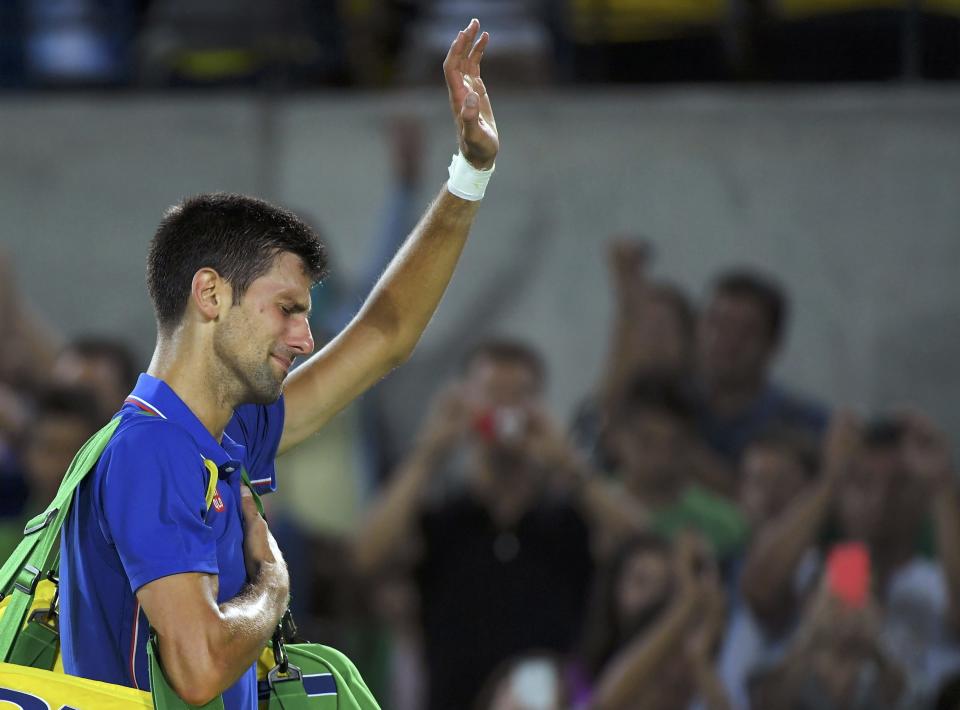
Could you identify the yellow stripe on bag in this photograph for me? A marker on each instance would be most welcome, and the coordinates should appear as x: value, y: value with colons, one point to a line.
x: 19, y: 683
x: 212, y: 483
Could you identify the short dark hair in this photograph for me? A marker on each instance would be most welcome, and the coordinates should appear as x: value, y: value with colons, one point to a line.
x: 506, y: 350
x: 73, y: 402
x: 655, y: 393
x: 763, y: 290
x: 236, y: 235
x: 799, y: 445
x: 116, y: 352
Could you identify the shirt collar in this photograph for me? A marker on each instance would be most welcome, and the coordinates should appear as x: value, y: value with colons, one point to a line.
x: 154, y: 395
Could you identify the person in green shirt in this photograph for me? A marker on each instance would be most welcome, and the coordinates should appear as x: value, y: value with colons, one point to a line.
x: 653, y: 435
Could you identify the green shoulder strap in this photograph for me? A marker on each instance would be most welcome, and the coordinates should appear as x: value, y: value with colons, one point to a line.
x: 37, y: 554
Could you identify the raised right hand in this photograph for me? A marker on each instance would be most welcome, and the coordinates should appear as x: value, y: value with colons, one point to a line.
x: 469, y: 101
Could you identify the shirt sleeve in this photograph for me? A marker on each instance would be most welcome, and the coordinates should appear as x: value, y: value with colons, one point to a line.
x: 258, y: 428
x: 152, y: 503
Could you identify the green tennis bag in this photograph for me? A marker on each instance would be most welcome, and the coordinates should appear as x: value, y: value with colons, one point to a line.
x: 292, y: 676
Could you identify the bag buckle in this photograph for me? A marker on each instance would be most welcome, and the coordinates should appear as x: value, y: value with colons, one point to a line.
x: 288, y: 628
x: 33, y: 527
x: 28, y: 585
x: 47, y: 617
x: 279, y: 652
x: 292, y: 673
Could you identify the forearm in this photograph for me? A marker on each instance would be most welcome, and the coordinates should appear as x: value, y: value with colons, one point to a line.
x: 946, y: 515
x: 623, y: 358
x: 778, y: 549
x: 250, y: 618
x: 614, y: 514
x: 391, y: 515
x: 407, y: 294
x: 388, y: 326
x: 205, y: 649
x: 636, y: 667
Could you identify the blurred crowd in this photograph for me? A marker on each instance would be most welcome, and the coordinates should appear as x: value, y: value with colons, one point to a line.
x: 699, y: 536
x: 303, y: 44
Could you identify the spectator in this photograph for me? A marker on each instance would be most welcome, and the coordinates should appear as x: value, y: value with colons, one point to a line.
x: 106, y: 366
x: 875, y: 482
x: 652, y: 434
x: 739, y: 335
x: 653, y: 333
x: 776, y: 468
x: 531, y: 682
x: 837, y: 661
x: 491, y: 576
x: 62, y: 421
x: 397, y: 670
x: 28, y: 366
x: 633, y: 588
x: 654, y: 628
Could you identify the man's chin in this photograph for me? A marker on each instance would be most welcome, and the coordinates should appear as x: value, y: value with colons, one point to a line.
x: 264, y: 395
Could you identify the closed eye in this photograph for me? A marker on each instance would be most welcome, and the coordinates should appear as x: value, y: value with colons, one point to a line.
x: 294, y: 309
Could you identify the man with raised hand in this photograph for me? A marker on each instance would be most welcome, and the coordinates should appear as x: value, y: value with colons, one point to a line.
x: 151, y: 540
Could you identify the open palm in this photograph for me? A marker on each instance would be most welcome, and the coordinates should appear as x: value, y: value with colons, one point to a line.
x: 469, y: 101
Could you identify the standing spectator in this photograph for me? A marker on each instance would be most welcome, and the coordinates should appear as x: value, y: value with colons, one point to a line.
x: 653, y: 433
x: 775, y: 469
x: 739, y: 334
x: 631, y: 590
x: 837, y: 661
x: 504, y: 557
x: 653, y: 334
x: 875, y: 482
x: 654, y: 630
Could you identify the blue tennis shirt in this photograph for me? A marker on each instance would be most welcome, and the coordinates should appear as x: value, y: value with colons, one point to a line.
x: 142, y: 514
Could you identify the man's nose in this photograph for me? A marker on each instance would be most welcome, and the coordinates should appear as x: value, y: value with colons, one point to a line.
x: 301, y: 339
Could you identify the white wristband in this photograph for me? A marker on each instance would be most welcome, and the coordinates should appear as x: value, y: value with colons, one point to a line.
x: 466, y: 182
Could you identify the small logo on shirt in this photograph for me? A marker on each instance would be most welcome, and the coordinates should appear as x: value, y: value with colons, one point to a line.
x: 218, y: 503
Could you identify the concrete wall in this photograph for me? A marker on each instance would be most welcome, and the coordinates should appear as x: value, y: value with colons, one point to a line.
x: 850, y: 196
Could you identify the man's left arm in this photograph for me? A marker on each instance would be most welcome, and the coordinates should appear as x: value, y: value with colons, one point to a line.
x: 386, y: 330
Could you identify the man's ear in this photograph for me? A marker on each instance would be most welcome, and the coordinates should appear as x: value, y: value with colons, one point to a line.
x: 210, y: 294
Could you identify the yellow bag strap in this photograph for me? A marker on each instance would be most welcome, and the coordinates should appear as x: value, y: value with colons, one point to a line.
x: 212, y: 483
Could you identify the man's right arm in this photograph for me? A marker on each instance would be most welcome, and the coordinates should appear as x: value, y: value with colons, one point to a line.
x: 152, y: 511
x: 204, y: 646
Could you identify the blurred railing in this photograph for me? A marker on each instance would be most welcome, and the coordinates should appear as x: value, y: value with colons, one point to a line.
x: 299, y: 44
